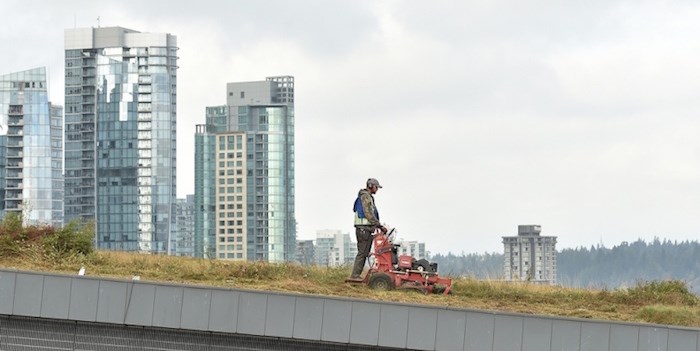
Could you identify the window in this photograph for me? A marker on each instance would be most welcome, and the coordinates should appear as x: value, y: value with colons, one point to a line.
x: 242, y: 94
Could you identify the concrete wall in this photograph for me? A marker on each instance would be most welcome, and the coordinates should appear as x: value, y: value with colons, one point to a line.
x: 322, y: 319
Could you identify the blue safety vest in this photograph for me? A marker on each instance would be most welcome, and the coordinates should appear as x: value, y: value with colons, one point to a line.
x: 360, y: 218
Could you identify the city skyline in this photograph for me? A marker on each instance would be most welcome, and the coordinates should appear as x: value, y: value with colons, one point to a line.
x: 474, y: 117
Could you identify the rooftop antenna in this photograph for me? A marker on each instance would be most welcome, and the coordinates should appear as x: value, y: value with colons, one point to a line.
x: 98, y: 21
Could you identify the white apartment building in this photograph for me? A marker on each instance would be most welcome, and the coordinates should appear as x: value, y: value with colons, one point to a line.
x: 530, y: 256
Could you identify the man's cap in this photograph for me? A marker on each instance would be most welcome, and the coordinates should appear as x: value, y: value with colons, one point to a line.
x: 372, y: 181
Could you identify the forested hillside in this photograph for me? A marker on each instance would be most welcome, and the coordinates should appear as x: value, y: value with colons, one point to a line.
x: 598, y: 267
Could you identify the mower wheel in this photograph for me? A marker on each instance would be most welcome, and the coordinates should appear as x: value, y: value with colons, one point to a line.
x: 381, y: 281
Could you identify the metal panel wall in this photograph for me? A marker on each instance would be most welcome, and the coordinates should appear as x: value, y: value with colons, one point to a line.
x: 83, y: 299
x: 167, y: 307
x: 653, y: 339
x: 224, y: 312
x: 480, y: 330
x: 566, y: 335
x: 104, y: 307
x: 111, y: 302
x: 28, y: 290
x: 252, y: 310
x: 308, y: 318
x: 56, y: 302
x: 364, y: 327
x: 422, y: 328
x: 508, y: 333
x: 140, y: 305
x: 7, y: 291
x: 595, y: 337
x: 340, y: 312
x: 195, y: 309
x: 279, y: 320
x: 450, y: 330
x: 624, y: 338
x: 537, y: 334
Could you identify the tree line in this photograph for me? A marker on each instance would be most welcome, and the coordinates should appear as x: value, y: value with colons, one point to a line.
x: 597, y: 266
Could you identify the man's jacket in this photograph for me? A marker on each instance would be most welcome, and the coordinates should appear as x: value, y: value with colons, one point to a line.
x: 366, y: 213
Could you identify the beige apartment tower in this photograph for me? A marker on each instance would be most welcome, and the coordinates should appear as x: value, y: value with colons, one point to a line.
x: 230, y: 195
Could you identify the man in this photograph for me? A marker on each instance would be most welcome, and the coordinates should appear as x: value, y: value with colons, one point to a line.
x: 366, y: 222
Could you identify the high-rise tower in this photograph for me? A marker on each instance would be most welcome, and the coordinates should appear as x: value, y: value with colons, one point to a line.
x: 184, y: 241
x: 244, y: 174
x: 120, y: 135
x: 31, y: 149
x: 530, y: 256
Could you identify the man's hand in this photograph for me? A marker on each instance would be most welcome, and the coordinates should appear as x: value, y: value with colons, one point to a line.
x: 383, y: 229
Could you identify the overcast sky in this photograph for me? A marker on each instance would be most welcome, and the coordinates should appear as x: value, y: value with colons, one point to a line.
x: 476, y: 116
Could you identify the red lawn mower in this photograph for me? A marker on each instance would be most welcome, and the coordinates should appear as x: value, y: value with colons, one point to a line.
x: 391, y: 271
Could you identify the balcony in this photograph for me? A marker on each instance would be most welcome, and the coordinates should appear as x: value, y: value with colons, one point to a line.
x: 13, y: 205
x: 16, y: 110
x: 15, y: 131
x: 14, y: 120
x: 10, y: 195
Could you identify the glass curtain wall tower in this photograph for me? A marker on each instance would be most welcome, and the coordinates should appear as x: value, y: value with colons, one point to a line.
x: 121, y: 108
x: 31, y: 149
x: 247, y: 211
x: 184, y: 245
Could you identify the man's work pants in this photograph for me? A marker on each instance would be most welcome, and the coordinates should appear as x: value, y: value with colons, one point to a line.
x: 364, y: 243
